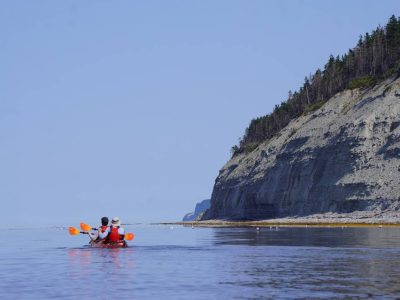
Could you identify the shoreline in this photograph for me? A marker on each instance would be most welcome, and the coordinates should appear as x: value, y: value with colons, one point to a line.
x: 233, y: 224
x: 318, y: 220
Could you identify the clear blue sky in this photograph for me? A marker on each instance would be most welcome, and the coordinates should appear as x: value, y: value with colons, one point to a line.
x: 130, y: 108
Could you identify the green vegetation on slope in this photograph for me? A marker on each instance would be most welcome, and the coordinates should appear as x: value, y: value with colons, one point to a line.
x: 313, y: 107
x: 362, y: 82
x: 376, y: 56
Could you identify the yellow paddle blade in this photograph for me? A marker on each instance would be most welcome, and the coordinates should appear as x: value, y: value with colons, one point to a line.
x: 73, y: 231
x: 85, y: 227
x: 129, y: 236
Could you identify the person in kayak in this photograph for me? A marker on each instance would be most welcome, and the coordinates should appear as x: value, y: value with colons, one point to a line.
x: 114, y: 233
x: 102, y: 229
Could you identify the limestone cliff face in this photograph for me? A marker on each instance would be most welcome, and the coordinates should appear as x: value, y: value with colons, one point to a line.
x: 343, y: 157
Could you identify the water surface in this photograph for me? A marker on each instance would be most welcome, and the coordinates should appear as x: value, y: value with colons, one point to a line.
x: 176, y: 262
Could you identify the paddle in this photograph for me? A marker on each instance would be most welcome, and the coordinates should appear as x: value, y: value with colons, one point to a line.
x: 75, y: 231
x: 87, y: 227
x: 129, y: 236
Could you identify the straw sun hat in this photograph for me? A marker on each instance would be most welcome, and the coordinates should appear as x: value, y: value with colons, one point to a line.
x: 115, y: 222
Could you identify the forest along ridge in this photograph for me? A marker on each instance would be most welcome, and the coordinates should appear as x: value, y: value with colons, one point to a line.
x: 331, y: 152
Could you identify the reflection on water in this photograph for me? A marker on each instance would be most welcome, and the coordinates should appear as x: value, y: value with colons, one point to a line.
x: 322, y: 262
x: 317, y: 262
x: 100, y: 265
x: 309, y: 237
x: 219, y: 263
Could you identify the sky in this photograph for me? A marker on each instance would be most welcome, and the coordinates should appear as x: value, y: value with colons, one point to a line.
x: 130, y: 108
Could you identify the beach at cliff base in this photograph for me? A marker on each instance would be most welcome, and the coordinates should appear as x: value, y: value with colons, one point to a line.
x: 356, y: 219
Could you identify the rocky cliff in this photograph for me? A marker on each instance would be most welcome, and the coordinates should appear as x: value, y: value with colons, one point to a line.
x: 343, y: 157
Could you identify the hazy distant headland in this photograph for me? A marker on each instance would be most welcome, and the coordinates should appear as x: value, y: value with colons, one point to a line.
x: 198, y: 212
x: 333, y: 147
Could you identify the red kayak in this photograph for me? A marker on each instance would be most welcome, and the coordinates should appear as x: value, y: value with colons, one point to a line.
x: 102, y: 244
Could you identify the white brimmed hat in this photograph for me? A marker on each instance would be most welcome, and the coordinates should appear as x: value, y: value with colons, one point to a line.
x: 115, y: 221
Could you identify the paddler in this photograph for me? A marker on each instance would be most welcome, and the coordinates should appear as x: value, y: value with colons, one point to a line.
x: 114, y: 233
x: 102, y: 229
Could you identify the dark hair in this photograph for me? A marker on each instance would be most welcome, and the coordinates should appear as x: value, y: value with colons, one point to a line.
x: 104, y: 221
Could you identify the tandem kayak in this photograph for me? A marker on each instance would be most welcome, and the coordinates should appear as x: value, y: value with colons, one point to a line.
x: 101, y: 244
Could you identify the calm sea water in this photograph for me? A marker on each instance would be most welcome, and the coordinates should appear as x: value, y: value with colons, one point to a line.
x: 203, y: 263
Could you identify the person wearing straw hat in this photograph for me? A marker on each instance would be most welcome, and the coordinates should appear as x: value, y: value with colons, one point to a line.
x: 114, y: 233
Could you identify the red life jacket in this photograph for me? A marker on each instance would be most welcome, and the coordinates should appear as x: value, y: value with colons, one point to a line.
x: 114, y: 236
x: 102, y: 230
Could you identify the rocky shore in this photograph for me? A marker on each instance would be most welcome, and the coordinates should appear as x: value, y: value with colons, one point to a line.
x: 330, y: 219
